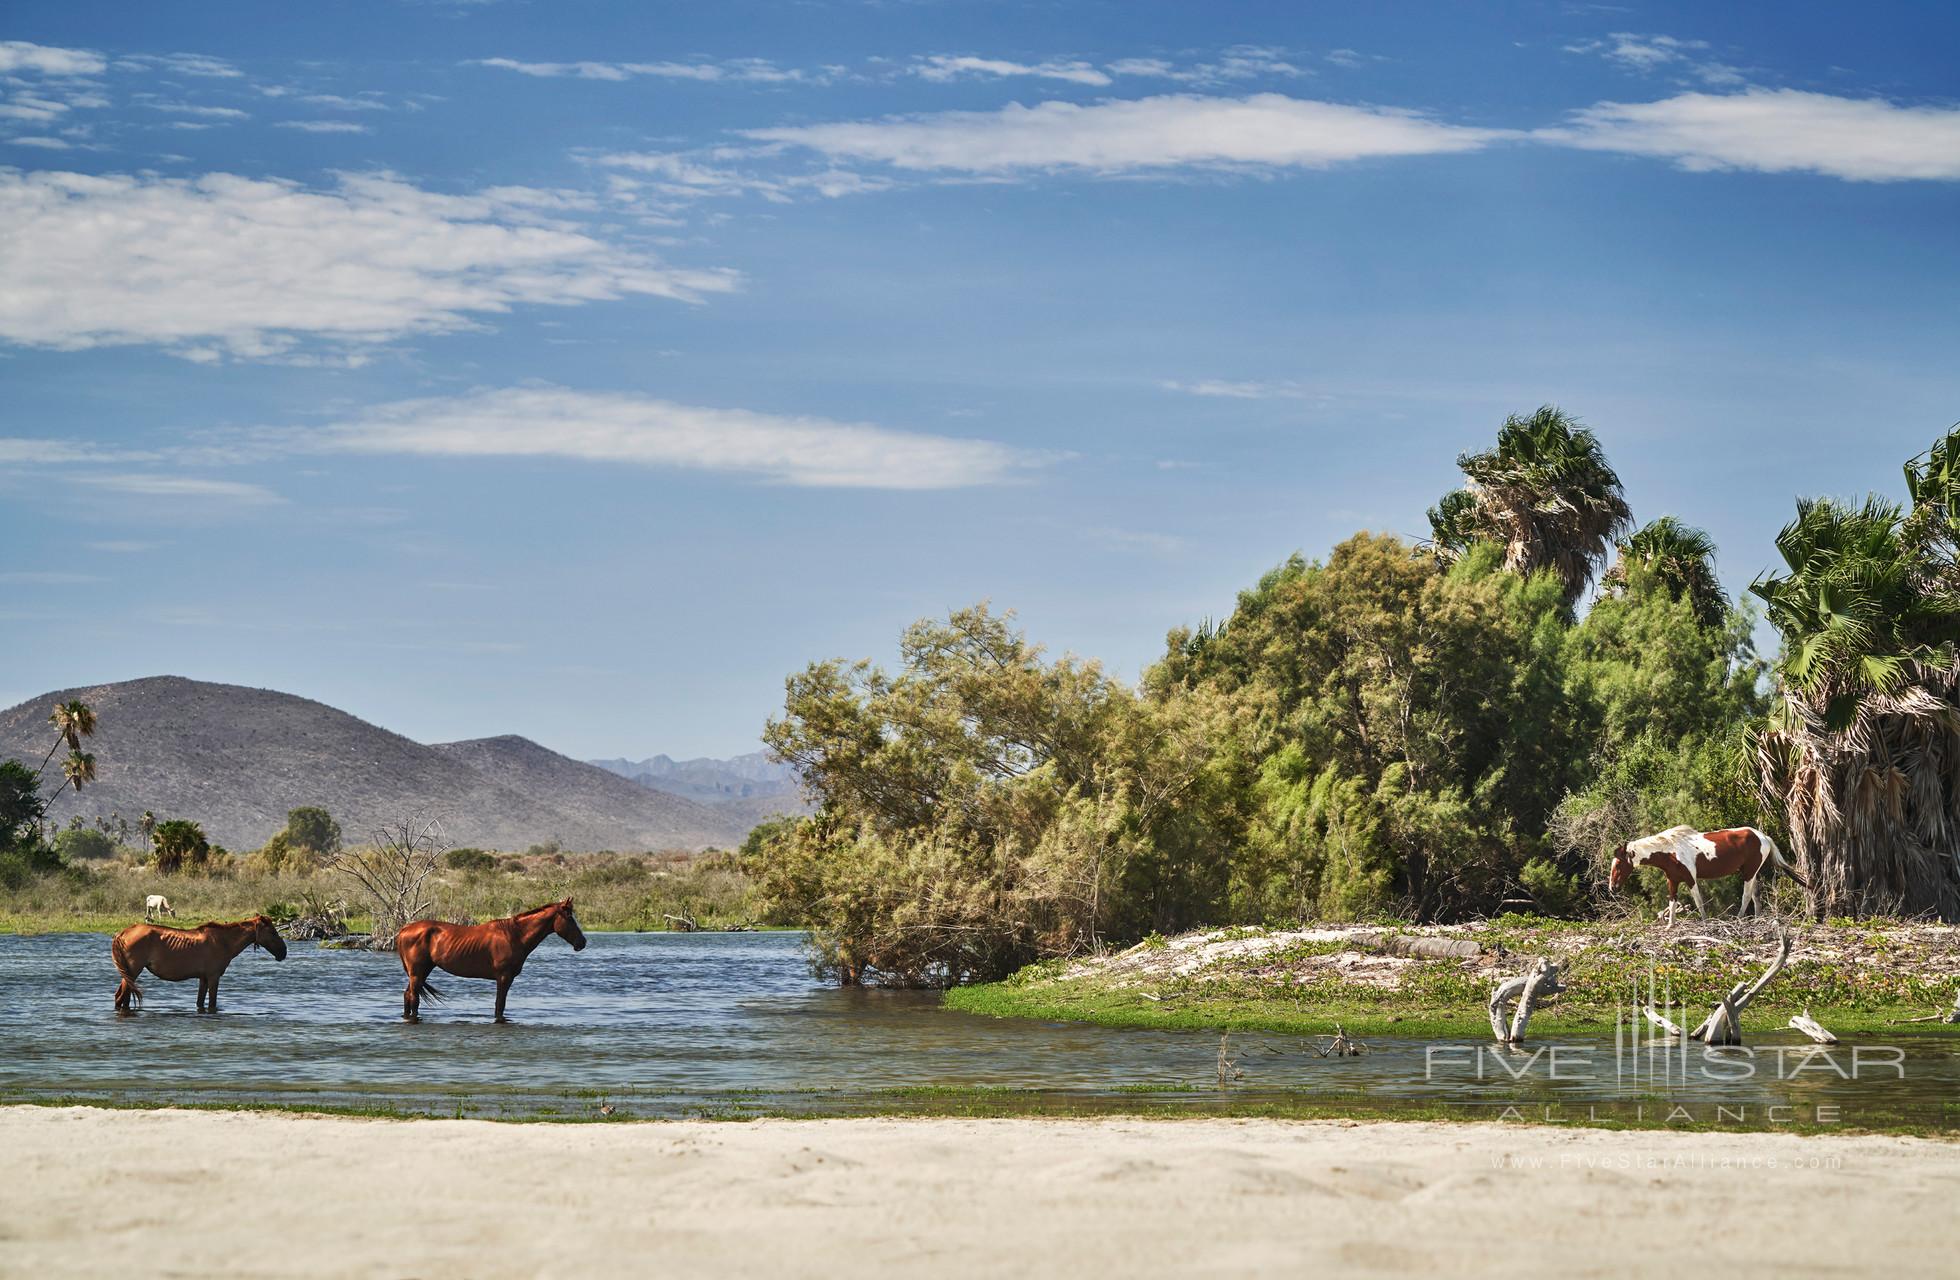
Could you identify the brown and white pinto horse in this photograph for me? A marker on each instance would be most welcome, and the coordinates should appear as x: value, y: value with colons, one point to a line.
x: 495, y: 949
x: 177, y: 955
x: 1687, y: 856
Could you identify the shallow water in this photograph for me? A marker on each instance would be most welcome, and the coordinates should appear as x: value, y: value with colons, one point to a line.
x: 675, y: 1024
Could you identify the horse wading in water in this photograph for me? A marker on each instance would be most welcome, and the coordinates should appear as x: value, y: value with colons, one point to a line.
x: 1688, y: 857
x: 495, y: 949
x: 177, y: 955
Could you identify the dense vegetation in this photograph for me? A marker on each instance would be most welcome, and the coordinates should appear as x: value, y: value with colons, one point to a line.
x: 1427, y: 731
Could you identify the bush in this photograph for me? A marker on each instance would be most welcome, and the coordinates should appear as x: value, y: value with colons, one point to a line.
x: 470, y: 860
x: 179, y: 845
x: 84, y: 844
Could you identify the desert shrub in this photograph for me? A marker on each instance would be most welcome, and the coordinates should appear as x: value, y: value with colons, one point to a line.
x: 79, y: 844
x: 470, y: 860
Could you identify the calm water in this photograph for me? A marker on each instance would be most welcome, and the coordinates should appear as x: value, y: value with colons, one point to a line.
x: 669, y: 1024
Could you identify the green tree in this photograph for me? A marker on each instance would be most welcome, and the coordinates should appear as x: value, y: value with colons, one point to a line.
x: 1862, y: 753
x: 1681, y: 559
x: 179, y: 845
x: 312, y: 829
x: 1545, y: 493
x: 83, y: 844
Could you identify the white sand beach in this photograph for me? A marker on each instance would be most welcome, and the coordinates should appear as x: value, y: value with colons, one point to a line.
x: 95, y: 1192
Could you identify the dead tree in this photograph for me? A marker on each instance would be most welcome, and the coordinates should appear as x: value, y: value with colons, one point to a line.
x: 1811, y: 1027
x: 1526, y: 989
x: 1724, y: 1026
x: 394, y: 872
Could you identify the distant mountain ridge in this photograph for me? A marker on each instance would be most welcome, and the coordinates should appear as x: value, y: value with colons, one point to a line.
x: 754, y: 785
x: 236, y: 759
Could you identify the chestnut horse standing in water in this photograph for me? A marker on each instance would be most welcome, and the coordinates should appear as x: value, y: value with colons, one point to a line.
x: 495, y: 949
x: 176, y: 955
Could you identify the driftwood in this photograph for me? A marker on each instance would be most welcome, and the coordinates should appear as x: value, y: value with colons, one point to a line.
x: 1654, y: 1016
x: 680, y: 924
x: 1340, y: 1045
x: 1526, y: 989
x: 1724, y: 1026
x: 1809, y: 1026
x: 1952, y: 1015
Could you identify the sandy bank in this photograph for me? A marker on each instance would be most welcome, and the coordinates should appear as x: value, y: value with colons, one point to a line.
x: 90, y: 1192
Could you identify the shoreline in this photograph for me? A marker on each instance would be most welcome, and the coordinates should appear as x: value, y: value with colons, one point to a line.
x: 99, y: 1191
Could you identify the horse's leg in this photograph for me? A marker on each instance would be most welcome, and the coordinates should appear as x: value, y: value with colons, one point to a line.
x: 214, y: 989
x: 416, y: 963
x: 203, y: 985
x: 503, y: 990
x: 1701, y: 908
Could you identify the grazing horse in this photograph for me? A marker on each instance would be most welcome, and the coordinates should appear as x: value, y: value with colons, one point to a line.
x: 156, y: 905
x: 495, y: 949
x: 1687, y: 856
x: 176, y: 955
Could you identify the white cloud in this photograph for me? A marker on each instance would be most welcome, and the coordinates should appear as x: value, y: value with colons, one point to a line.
x: 191, y: 487
x: 46, y: 144
x: 193, y: 109
x: 1240, y: 62
x: 183, y: 64
x: 1264, y: 130
x: 248, y: 267
x: 555, y: 422
x: 1777, y: 131
x: 28, y: 452
x: 48, y: 60
x: 739, y: 70
x: 1220, y: 388
x: 683, y: 176
x: 940, y: 66
x: 323, y: 126
x: 1651, y: 54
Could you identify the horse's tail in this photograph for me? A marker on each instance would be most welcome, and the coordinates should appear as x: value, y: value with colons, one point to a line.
x: 428, y: 989
x: 1776, y: 856
x: 128, y: 968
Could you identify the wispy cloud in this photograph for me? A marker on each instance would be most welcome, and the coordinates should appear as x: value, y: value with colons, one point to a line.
x: 49, y: 60
x: 556, y: 422
x: 184, y: 64
x: 143, y: 484
x: 323, y: 126
x: 1262, y: 131
x: 1777, y: 131
x: 1252, y: 390
x: 1240, y: 62
x: 684, y: 176
x: 29, y: 452
x: 941, y: 66
x: 1651, y: 54
x: 734, y: 70
x: 226, y: 265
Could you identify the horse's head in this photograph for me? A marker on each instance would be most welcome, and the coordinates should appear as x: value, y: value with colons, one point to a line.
x: 266, y: 934
x: 565, y: 925
x: 1622, y: 869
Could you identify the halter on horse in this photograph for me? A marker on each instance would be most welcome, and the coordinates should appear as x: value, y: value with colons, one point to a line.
x: 177, y: 955
x: 495, y: 949
x: 1687, y: 856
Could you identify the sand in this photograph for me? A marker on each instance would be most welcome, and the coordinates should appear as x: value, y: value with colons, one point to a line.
x: 94, y: 1192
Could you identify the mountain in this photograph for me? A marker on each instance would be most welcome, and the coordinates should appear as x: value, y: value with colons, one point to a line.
x: 752, y: 787
x: 236, y: 759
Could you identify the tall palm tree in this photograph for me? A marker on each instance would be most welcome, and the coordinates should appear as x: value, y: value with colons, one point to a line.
x: 72, y: 721
x: 1863, y: 749
x: 1933, y: 528
x: 78, y: 768
x: 1678, y: 556
x: 1546, y: 494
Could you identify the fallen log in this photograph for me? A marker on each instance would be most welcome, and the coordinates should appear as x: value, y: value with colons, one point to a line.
x: 1724, y: 1026
x: 1540, y: 980
x: 1654, y: 1016
x: 1809, y: 1026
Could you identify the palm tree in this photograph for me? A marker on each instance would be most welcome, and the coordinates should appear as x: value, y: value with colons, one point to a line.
x: 1863, y: 750
x: 1545, y: 494
x: 1933, y: 528
x: 1678, y: 556
x: 72, y: 721
x: 78, y: 768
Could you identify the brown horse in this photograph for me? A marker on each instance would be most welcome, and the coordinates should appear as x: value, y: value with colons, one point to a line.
x: 1687, y: 856
x: 176, y: 955
x: 495, y: 949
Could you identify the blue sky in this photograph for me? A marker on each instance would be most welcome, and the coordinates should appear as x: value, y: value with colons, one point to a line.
x: 579, y: 370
